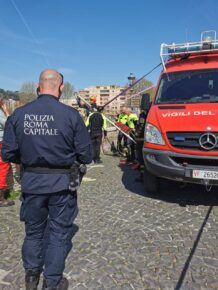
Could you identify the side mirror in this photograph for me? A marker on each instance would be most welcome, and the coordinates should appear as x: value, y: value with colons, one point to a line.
x: 145, y: 102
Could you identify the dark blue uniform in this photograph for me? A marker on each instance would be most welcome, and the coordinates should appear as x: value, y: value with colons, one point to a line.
x: 48, y: 135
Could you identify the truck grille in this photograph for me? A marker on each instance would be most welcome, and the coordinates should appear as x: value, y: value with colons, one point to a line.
x: 188, y: 140
x: 195, y: 161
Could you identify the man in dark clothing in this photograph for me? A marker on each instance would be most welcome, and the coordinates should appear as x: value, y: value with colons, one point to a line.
x: 139, y: 135
x: 47, y: 137
x: 139, y: 138
x: 97, y: 125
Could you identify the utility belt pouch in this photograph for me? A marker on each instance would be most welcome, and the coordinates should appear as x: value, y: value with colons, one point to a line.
x: 77, y: 172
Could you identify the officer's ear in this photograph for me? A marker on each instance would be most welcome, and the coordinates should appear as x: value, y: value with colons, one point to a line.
x: 37, y: 89
x: 61, y: 88
x: 61, y: 85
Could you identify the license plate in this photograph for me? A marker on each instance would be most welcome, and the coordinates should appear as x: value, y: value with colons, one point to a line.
x: 205, y: 174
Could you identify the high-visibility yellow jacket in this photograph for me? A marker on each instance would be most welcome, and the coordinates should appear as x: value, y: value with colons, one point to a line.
x: 122, y: 118
x: 132, y: 120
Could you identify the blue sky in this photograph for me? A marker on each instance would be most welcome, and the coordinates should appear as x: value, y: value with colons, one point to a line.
x: 94, y: 41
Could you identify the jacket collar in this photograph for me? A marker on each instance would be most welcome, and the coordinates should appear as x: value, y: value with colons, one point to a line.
x: 49, y: 96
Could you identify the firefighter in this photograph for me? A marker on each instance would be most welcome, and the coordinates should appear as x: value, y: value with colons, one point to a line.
x: 93, y: 100
x: 139, y: 138
x: 122, y: 118
x: 131, y: 123
x: 47, y: 138
x: 88, y: 108
x: 4, y: 166
x: 97, y: 125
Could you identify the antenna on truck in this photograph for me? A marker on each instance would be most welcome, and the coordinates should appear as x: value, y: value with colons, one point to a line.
x: 186, y: 35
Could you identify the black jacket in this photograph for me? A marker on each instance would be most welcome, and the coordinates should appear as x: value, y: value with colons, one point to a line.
x: 96, y: 124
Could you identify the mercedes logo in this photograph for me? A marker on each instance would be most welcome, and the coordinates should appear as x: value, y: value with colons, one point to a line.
x: 208, y: 141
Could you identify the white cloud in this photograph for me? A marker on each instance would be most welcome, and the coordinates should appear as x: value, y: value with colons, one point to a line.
x: 9, y: 34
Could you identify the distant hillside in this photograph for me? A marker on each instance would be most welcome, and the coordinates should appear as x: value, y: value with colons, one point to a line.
x: 9, y: 95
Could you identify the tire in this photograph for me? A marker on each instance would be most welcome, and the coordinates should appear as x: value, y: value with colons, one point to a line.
x: 151, y: 182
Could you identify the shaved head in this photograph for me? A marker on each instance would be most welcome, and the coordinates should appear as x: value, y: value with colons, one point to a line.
x: 50, y: 82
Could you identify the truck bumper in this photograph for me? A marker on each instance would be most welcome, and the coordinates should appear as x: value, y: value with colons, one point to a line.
x: 179, y: 167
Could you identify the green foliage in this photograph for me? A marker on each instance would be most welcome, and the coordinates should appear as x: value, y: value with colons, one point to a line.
x: 141, y: 85
x: 68, y: 91
x: 135, y: 101
x: 8, y: 95
x: 13, y: 194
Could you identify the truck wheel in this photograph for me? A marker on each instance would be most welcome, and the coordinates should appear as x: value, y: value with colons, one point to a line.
x: 151, y: 182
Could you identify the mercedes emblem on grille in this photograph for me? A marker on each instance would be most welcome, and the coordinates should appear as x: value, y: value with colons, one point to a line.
x: 208, y: 141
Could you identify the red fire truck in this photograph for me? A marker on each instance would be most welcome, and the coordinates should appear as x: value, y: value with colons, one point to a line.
x: 181, y: 133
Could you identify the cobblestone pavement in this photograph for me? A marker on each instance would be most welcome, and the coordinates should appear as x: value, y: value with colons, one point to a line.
x: 127, y: 239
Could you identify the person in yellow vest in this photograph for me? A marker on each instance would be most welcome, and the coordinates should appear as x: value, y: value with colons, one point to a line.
x: 97, y: 126
x: 131, y: 123
x: 122, y: 118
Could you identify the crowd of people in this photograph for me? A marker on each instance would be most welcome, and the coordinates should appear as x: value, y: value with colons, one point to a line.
x: 130, y: 136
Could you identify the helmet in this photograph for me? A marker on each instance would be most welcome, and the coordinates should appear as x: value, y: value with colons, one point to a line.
x: 93, y: 99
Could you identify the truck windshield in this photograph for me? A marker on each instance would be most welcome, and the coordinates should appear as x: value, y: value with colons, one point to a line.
x: 198, y: 86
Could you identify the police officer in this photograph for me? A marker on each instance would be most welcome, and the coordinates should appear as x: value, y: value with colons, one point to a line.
x: 97, y: 125
x: 46, y: 137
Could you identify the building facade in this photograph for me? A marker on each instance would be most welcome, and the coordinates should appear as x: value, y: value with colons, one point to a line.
x: 72, y: 102
x: 103, y: 95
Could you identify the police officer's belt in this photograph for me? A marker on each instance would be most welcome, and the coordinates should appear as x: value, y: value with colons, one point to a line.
x: 48, y: 170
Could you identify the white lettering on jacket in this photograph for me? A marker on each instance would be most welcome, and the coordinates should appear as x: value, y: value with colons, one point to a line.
x: 39, y: 125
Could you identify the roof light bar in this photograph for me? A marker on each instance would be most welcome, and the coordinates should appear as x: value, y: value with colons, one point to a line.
x: 208, y: 43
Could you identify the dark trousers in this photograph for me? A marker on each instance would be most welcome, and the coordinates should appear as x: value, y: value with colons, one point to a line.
x: 139, y: 148
x: 96, y: 147
x: 49, y: 230
x: 131, y: 150
x: 121, y: 137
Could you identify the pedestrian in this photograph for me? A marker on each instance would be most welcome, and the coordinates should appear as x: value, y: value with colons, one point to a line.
x: 97, y: 125
x: 4, y: 166
x: 47, y: 137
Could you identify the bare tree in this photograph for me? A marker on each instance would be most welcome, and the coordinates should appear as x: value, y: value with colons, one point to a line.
x: 141, y: 85
x: 135, y: 101
x: 27, y: 92
x: 68, y: 91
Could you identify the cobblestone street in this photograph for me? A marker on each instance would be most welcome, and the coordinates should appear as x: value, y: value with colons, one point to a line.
x: 125, y: 239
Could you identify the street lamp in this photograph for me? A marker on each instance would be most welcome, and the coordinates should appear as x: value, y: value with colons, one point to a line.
x: 131, y: 79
